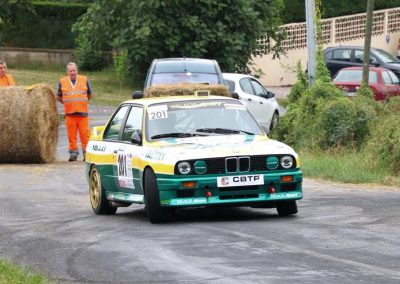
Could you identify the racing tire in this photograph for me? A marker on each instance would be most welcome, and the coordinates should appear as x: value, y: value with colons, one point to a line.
x: 98, y: 200
x: 286, y: 208
x: 274, y: 121
x: 155, y: 212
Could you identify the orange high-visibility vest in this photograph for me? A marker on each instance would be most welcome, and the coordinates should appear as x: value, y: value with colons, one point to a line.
x: 7, y: 80
x: 75, y: 98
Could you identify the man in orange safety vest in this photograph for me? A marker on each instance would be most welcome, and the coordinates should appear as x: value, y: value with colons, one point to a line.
x: 5, y: 79
x: 74, y: 91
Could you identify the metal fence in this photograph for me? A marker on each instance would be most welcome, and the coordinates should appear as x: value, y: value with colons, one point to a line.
x: 337, y: 30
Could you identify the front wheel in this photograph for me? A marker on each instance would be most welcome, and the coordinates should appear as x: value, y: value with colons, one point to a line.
x: 98, y: 200
x: 274, y: 120
x: 286, y: 208
x: 155, y: 212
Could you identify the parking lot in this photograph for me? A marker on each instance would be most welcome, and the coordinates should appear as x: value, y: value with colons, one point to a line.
x: 342, y: 233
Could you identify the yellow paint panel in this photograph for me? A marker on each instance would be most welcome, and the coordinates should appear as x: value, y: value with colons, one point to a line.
x: 99, y: 159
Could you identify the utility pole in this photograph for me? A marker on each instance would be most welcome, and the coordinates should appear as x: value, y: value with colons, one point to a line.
x: 311, y: 40
x: 367, y: 42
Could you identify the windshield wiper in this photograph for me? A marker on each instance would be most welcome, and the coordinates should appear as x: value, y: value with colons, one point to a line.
x: 223, y: 131
x: 176, y: 135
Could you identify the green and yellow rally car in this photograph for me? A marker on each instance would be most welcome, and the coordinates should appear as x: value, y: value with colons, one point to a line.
x: 183, y: 151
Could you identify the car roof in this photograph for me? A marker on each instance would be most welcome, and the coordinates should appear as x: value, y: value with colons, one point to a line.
x: 182, y: 59
x: 360, y: 68
x: 235, y: 76
x: 347, y: 46
x: 167, y: 99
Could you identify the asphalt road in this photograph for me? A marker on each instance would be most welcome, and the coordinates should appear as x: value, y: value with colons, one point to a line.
x: 342, y: 234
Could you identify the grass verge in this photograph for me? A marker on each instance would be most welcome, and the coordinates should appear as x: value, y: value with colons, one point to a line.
x: 348, y: 167
x: 13, y: 274
x: 106, y: 87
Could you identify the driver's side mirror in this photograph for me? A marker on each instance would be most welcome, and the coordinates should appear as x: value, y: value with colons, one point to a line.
x: 137, y: 95
x: 136, y: 137
x: 235, y: 95
x: 373, y: 62
x: 270, y: 94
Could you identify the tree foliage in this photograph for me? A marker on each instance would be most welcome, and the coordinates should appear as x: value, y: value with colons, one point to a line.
x: 224, y: 30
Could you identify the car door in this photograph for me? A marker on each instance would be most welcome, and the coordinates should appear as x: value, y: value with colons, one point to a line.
x: 248, y: 97
x: 127, y: 175
x: 391, y: 88
x: 266, y: 107
x: 396, y: 83
x: 109, y: 146
x: 341, y: 58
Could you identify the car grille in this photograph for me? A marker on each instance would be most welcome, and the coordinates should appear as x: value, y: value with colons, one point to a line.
x: 235, y: 165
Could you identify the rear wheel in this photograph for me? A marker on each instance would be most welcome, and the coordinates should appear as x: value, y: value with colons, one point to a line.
x: 155, y: 212
x: 100, y: 204
x: 286, y: 208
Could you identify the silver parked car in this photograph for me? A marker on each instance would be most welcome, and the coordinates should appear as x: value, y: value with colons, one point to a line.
x: 259, y: 101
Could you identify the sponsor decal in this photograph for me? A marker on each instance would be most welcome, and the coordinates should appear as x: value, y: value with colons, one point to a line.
x: 124, y: 168
x: 242, y: 180
x: 155, y: 155
x: 188, y: 105
x: 190, y: 201
x: 157, y: 112
x: 99, y: 148
x: 284, y: 195
x: 235, y: 106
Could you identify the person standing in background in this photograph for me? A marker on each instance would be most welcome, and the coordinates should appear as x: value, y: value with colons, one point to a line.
x: 5, y: 79
x: 74, y: 92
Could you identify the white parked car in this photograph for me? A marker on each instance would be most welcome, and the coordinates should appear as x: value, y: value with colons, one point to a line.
x: 259, y: 101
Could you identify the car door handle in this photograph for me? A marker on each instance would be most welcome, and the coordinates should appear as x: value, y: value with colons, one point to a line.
x: 261, y: 103
x: 120, y: 150
x: 249, y: 99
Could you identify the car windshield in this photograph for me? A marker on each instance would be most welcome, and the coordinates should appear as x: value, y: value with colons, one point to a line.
x: 199, y: 118
x: 354, y: 76
x: 386, y: 57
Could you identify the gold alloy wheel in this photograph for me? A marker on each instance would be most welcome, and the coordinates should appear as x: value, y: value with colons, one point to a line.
x: 95, y: 188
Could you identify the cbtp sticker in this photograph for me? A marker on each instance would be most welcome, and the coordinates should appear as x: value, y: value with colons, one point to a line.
x: 242, y: 180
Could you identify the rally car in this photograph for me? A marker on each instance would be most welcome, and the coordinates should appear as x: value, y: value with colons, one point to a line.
x: 189, y: 151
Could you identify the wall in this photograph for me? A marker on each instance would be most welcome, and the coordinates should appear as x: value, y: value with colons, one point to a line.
x: 16, y: 56
x: 348, y: 30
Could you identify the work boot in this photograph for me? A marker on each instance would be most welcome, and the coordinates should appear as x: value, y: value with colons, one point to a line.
x: 73, y: 156
x: 84, y: 155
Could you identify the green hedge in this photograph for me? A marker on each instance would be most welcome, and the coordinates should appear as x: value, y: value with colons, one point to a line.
x: 295, y: 9
x: 46, y: 25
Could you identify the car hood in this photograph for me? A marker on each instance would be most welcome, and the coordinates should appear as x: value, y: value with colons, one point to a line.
x: 218, y: 146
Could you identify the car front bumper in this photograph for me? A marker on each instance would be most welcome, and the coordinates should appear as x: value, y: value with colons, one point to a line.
x: 207, y: 193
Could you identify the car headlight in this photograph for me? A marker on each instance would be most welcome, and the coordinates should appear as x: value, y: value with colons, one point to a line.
x: 272, y: 163
x: 184, y: 168
x: 286, y: 162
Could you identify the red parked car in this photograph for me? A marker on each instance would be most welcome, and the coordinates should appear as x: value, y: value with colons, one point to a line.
x: 383, y: 82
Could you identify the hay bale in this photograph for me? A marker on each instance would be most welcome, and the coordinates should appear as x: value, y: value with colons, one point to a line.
x: 184, y: 89
x: 29, y: 124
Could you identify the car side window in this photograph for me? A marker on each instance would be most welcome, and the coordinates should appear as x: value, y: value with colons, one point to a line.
x: 328, y: 55
x: 359, y: 56
x: 133, y: 123
x: 245, y: 84
x: 259, y: 89
x: 386, y: 78
x: 395, y: 80
x: 114, y: 126
x: 342, y: 54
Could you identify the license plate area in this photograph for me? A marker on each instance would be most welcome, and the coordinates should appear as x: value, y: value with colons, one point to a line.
x: 240, y: 180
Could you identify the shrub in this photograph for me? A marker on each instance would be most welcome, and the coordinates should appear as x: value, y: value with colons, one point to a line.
x: 89, y: 57
x: 385, y: 137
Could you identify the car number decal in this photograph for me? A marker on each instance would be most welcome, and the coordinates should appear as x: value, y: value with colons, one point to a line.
x: 124, y: 168
x: 158, y: 112
x: 242, y: 180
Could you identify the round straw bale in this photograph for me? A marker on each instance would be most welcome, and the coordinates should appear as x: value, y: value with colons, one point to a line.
x: 184, y: 89
x: 29, y: 124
